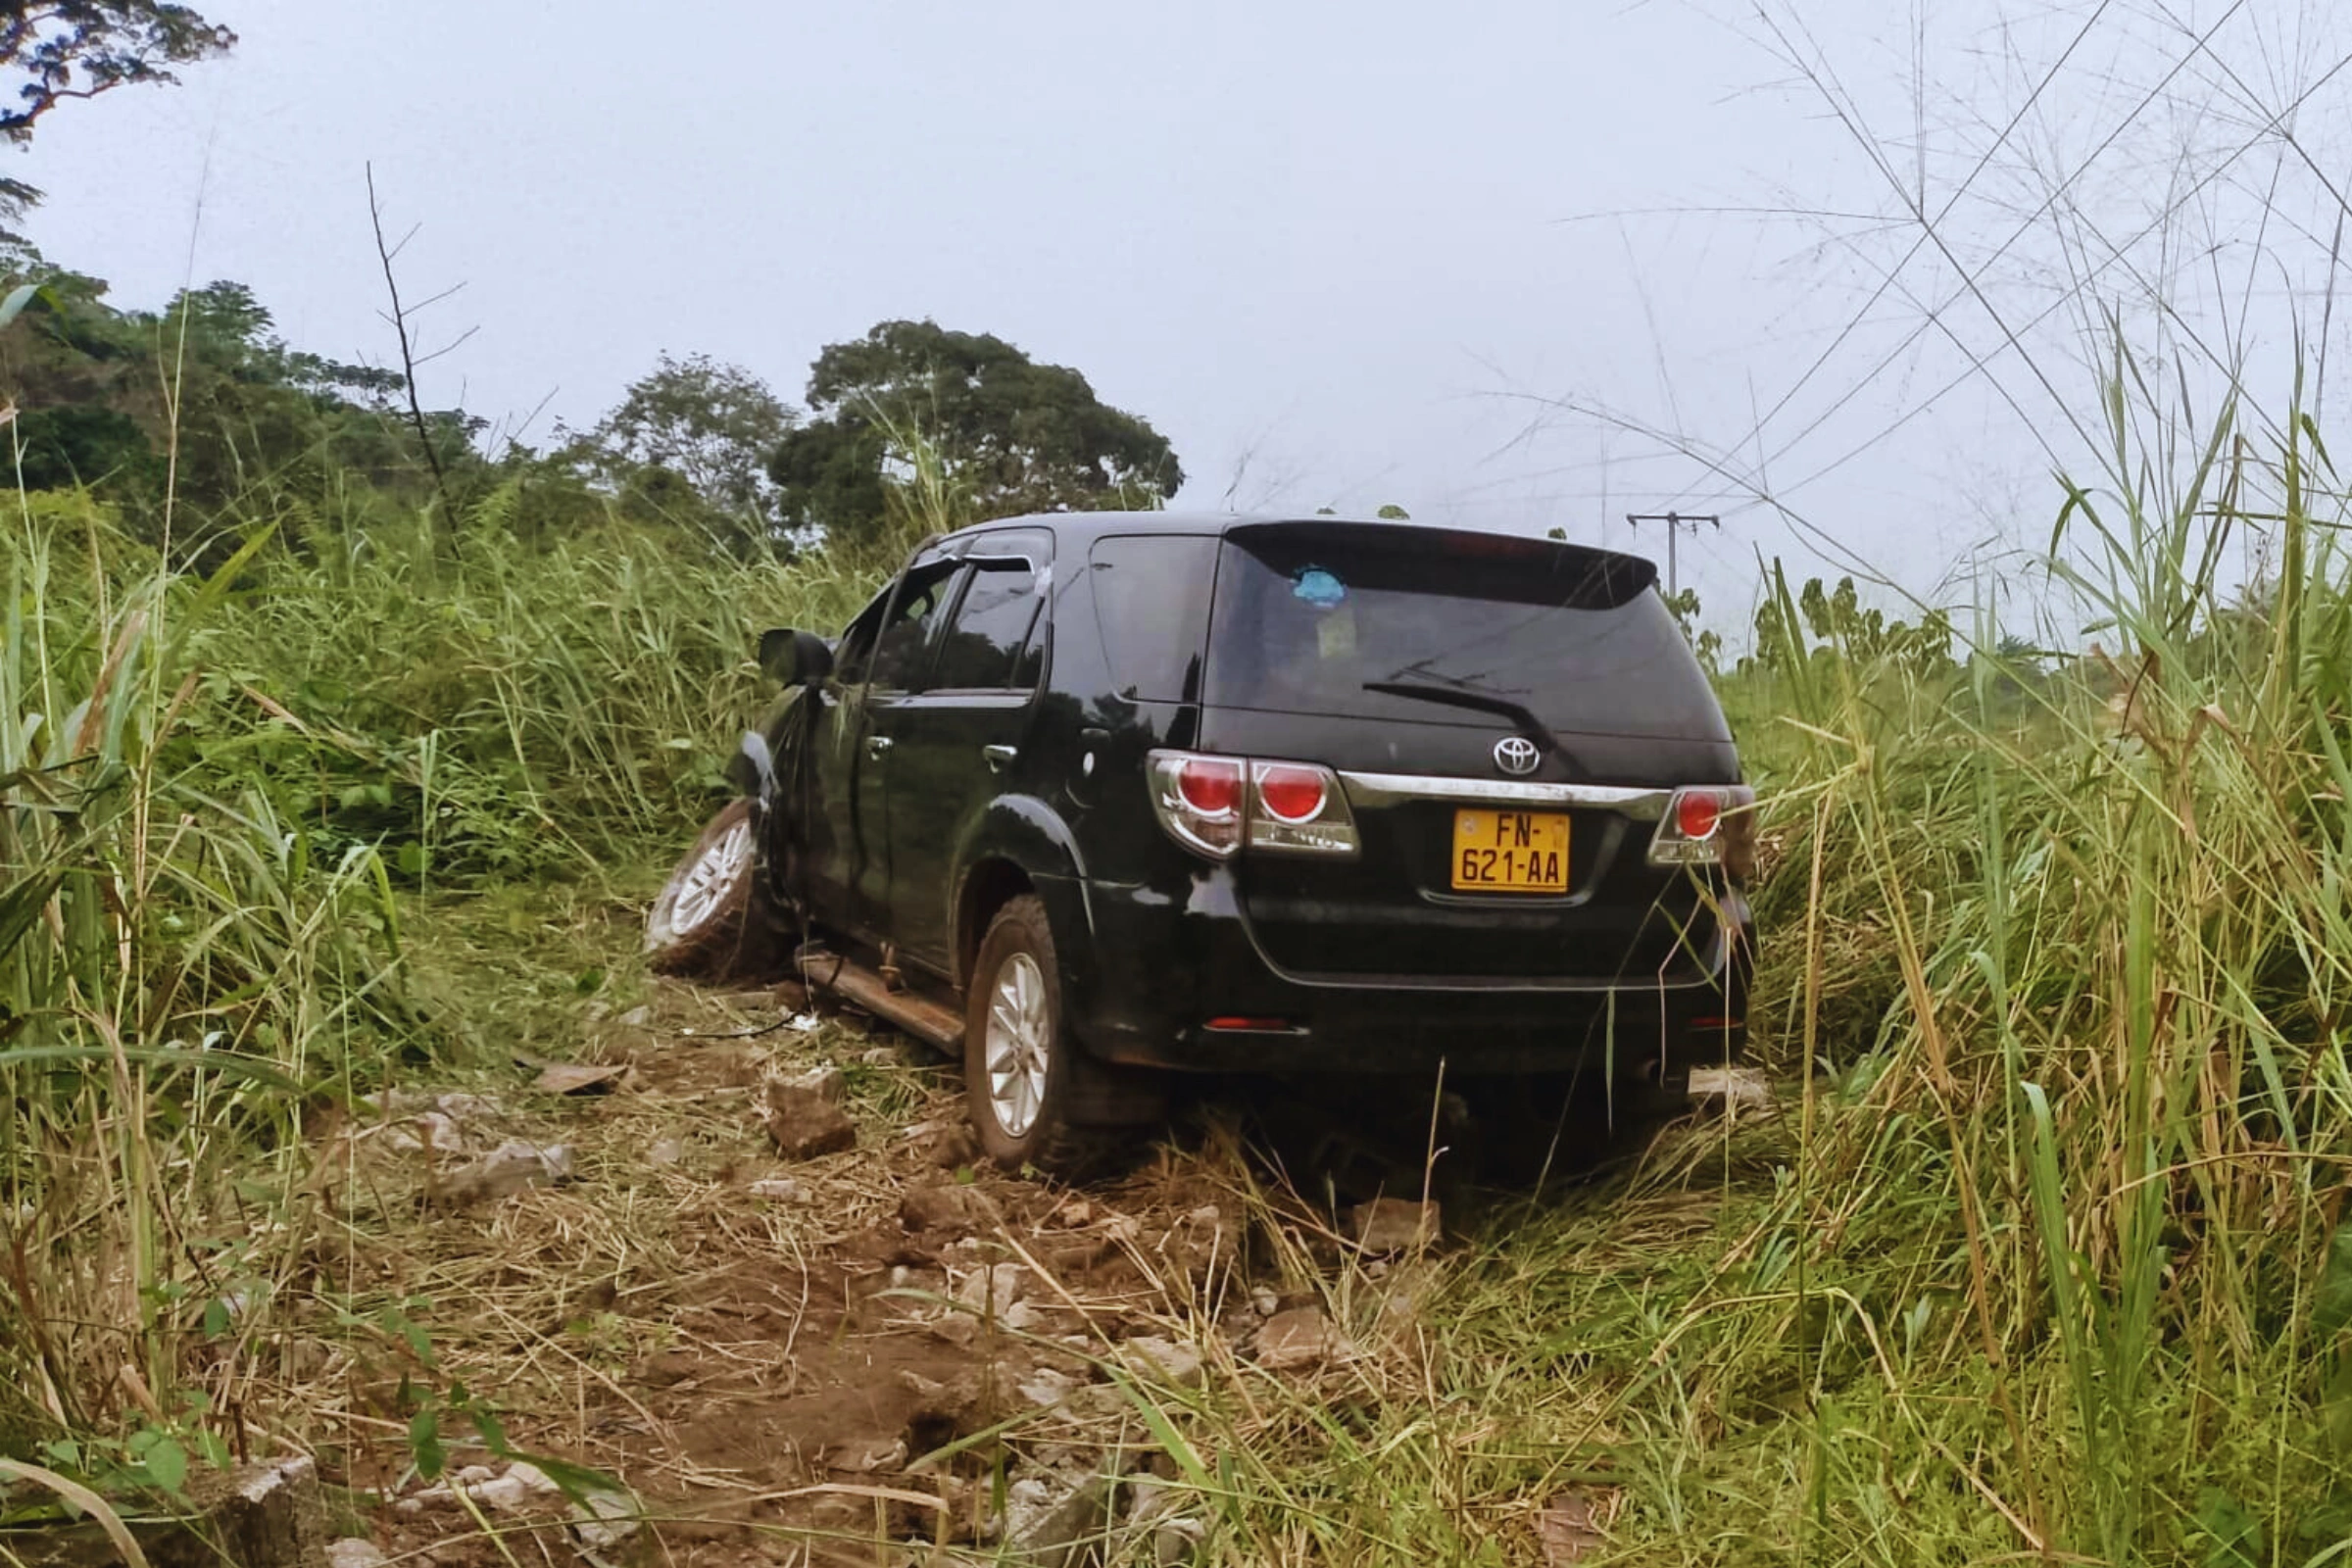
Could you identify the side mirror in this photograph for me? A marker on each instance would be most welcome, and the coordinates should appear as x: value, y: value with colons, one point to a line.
x: 795, y: 658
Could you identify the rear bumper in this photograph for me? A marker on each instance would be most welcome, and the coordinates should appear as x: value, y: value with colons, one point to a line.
x: 1166, y: 966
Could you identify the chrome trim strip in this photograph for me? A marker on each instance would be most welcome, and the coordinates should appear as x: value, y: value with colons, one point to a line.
x: 1391, y: 789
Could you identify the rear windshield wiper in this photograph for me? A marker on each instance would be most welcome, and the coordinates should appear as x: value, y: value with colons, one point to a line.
x: 1481, y: 702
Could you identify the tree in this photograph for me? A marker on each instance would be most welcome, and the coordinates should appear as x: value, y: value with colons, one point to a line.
x: 712, y: 426
x: 63, y: 49
x: 1012, y: 435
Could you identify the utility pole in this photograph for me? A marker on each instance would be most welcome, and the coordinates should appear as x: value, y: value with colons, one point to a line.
x: 1676, y: 522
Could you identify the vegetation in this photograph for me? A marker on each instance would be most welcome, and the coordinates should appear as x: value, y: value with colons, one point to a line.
x: 1012, y: 435
x: 2044, y: 1259
x: 58, y: 50
x: 316, y: 777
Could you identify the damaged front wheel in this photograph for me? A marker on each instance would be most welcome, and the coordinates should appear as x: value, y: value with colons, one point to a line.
x: 713, y: 917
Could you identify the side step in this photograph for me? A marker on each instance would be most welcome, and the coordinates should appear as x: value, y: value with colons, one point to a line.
x: 932, y: 1022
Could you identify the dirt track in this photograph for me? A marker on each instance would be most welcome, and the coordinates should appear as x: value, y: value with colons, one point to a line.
x: 766, y: 1366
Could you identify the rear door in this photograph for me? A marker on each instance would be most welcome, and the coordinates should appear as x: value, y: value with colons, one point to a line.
x: 1507, y: 716
x: 960, y: 740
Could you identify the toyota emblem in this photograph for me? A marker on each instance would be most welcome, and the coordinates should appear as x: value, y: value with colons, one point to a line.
x: 1517, y: 754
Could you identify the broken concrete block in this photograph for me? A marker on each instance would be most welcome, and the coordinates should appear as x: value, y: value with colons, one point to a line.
x: 828, y: 1083
x: 804, y: 1124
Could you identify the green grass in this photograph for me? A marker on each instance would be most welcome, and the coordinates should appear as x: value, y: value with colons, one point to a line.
x: 2043, y: 1262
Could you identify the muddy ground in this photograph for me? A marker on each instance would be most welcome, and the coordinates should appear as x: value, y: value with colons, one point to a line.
x: 878, y: 1355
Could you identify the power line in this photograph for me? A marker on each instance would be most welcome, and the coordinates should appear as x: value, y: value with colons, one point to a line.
x: 1676, y: 522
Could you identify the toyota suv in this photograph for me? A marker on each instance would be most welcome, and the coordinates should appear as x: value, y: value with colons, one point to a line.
x: 1093, y: 798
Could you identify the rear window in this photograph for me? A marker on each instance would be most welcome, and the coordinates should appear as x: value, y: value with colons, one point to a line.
x: 1152, y: 602
x: 1308, y: 617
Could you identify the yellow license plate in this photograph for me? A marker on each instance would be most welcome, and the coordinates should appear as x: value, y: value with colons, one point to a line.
x: 1510, y: 852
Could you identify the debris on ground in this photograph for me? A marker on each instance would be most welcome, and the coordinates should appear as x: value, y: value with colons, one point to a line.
x: 780, y: 1346
x: 1051, y: 1518
x: 1395, y: 1225
x: 356, y: 1552
x: 997, y: 1292
x: 1149, y: 1358
x: 947, y: 1210
x: 505, y: 1170
x: 582, y: 1078
x: 604, y: 1520
x: 828, y: 1083
x: 1299, y: 1338
x: 779, y: 1190
x: 803, y: 1124
x: 1154, y: 1513
x: 1731, y: 1091
x: 1565, y: 1530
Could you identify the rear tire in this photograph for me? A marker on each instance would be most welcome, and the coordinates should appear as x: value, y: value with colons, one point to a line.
x: 1017, y: 1053
x: 1034, y: 1095
x: 712, y: 917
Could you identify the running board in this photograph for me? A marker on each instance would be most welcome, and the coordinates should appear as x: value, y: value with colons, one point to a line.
x: 931, y: 1022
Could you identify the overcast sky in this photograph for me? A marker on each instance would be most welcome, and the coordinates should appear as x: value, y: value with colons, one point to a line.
x: 1509, y: 263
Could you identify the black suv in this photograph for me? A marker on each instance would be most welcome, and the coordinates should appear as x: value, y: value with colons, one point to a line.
x: 1091, y: 797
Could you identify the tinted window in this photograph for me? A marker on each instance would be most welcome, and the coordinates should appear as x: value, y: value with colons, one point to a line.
x: 899, y: 652
x: 981, y: 650
x: 1309, y: 617
x: 1152, y: 602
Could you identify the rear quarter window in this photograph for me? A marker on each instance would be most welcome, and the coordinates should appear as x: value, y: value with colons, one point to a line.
x: 1152, y: 606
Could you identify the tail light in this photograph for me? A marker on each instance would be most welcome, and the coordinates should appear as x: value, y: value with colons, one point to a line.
x: 1215, y: 805
x: 1714, y: 826
x: 1300, y: 807
x: 1198, y: 800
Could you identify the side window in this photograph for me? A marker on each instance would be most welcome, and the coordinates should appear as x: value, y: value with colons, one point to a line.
x: 857, y: 645
x: 902, y: 641
x: 1152, y: 602
x: 983, y: 649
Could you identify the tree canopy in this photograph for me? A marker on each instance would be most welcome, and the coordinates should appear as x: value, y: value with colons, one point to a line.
x: 1012, y: 435
x: 56, y: 50
x: 711, y: 425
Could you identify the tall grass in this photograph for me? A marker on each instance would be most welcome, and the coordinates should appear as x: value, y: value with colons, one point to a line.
x: 214, y: 795
x: 2046, y: 1258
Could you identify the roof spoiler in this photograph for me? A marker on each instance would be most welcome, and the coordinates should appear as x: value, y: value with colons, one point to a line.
x: 1601, y: 579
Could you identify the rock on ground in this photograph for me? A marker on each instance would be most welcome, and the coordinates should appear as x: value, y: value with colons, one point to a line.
x: 1149, y: 1358
x: 949, y: 1209
x: 507, y: 1170
x: 804, y: 1124
x: 1395, y: 1225
x: 1298, y: 1339
x: 1051, y: 1519
x: 828, y: 1083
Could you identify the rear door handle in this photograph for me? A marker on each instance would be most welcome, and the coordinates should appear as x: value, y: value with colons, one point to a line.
x: 1000, y: 757
x: 876, y: 745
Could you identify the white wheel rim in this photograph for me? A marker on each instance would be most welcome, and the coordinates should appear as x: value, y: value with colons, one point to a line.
x: 710, y: 878
x: 1017, y: 1044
